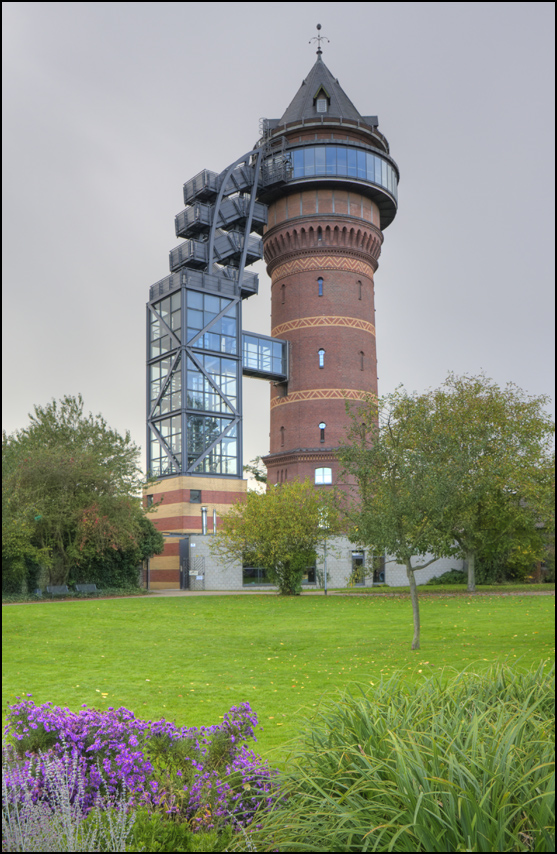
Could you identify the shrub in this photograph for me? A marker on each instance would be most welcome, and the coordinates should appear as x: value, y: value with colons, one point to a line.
x: 453, y: 576
x: 461, y: 765
x: 206, y: 778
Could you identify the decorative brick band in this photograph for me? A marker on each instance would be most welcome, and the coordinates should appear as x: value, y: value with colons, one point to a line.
x: 303, y: 322
x: 319, y: 394
x: 322, y: 262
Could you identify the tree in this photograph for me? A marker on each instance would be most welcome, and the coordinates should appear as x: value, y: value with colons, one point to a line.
x: 490, y: 449
x: 74, y: 486
x: 394, y: 503
x: 257, y: 470
x: 278, y: 530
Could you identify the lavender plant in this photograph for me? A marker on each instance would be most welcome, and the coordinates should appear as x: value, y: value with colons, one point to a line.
x: 43, y: 810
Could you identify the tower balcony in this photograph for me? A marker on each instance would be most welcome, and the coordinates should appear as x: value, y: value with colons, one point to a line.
x: 233, y: 213
x: 223, y: 282
x: 205, y: 186
x: 227, y: 250
x: 351, y: 166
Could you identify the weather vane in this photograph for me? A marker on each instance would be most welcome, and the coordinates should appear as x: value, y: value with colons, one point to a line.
x: 319, y: 38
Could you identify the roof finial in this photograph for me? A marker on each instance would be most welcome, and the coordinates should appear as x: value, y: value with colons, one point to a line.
x: 318, y: 38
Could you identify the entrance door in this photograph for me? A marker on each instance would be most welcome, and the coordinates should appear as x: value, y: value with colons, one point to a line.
x: 184, y: 563
x: 358, y: 569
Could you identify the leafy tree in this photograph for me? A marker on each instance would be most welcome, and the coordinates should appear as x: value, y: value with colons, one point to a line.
x: 462, y: 470
x: 119, y: 567
x: 490, y: 450
x: 73, y: 487
x: 394, y: 500
x: 278, y: 530
x: 257, y: 470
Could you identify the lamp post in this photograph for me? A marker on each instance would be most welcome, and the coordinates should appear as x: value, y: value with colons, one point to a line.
x: 323, y: 524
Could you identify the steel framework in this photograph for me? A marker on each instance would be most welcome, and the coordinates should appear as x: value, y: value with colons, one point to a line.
x: 196, y: 351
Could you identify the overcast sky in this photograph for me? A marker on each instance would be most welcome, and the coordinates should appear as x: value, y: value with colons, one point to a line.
x: 110, y: 107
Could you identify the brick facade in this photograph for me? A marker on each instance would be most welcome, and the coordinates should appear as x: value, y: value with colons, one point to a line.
x: 333, y: 235
x: 174, y: 514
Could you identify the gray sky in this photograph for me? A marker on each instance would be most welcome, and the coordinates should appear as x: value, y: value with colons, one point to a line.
x: 110, y: 107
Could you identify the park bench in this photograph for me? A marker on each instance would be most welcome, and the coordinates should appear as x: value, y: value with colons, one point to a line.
x: 86, y: 588
x: 58, y: 590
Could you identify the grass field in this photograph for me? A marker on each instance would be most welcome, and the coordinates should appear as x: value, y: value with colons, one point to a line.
x: 190, y: 659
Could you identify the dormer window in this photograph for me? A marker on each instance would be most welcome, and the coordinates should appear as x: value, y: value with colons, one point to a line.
x: 321, y: 100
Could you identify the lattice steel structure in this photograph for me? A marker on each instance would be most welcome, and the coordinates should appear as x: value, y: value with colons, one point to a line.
x: 196, y: 351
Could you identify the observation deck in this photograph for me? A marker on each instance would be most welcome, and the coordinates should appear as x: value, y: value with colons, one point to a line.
x: 227, y: 250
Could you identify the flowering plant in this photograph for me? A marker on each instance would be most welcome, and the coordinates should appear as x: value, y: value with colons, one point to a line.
x: 206, y: 777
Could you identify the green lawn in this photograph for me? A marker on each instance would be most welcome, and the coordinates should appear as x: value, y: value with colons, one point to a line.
x: 190, y: 659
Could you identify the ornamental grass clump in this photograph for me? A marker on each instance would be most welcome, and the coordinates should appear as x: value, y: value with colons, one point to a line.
x: 463, y: 762
x: 206, y: 778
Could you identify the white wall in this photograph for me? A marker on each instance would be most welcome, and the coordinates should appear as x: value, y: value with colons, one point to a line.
x: 228, y: 576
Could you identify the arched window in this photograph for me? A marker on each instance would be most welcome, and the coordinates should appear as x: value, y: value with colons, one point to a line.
x: 320, y: 287
x: 359, y: 289
x: 361, y: 360
x: 323, y: 476
x: 319, y: 234
x: 322, y: 431
x: 278, y: 475
x: 321, y: 355
x: 282, y: 437
x: 286, y: 474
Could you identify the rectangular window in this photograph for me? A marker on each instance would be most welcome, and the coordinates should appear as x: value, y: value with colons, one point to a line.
x: 195, y: 496
x: 323, y: 476
x: 320, y: 160
x: 341, y: 161
x: 331, y: 157
x: 254, y: 575
x: 309, y: 161
x: 298, y: 163
x: 352, y: 160
x: 362, y: 169
x: 370, y: 167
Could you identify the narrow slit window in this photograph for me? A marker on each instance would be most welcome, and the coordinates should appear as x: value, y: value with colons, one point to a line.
x: 282, y: 437
x: 322, y: 432
x: 321, y: 356
x: 361, y: 360
x: 359, y: 290
x: 320, y: 286
x: 282, y: 293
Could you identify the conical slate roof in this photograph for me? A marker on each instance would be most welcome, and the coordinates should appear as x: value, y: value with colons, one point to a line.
x: 303, y: 107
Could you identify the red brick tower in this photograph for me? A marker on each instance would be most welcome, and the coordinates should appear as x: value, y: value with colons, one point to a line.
x: 322, y: 245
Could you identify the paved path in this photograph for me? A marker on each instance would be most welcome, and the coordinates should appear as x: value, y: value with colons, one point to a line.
x: 348, y: 595
x: 187, y: 593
